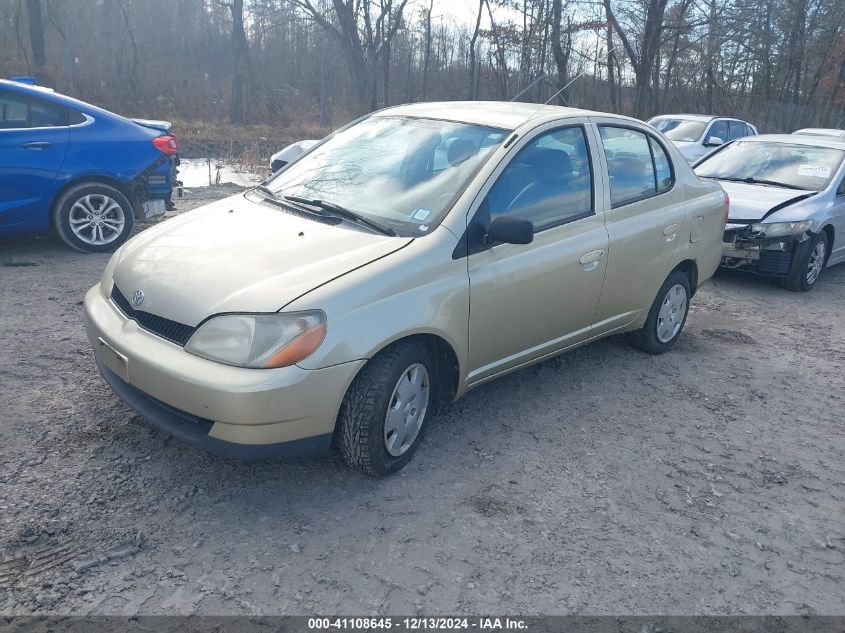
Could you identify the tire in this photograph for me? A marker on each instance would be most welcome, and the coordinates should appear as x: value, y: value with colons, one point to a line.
x: 76, y: 219
x: 364, y: 412
x: 812, y: 253
x: 663, y: 326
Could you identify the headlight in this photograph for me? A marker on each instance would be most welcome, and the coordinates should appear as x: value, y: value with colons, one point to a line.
x: 259, y: 340
x: 781, y: 229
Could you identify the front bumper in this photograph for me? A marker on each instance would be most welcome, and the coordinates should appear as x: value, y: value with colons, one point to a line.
x: 765, y: 256
x: 246, y: 413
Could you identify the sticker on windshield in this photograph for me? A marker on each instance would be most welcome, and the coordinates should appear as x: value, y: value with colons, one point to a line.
x: 816, y: 171
x: 421, y: 215
x: 424, y: 228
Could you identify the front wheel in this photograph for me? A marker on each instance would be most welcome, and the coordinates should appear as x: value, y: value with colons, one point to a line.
x: 93, y: 217
x: 667, y: 316
x: 383, y: 415
x: 807, y: 264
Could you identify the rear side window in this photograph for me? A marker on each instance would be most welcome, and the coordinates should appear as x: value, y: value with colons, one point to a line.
x: 13, y: 112
x: 75, y: 118
x: 46, y: 115
x: 17, y: 112
x: 736, y: 129
x: 637, y: 165
x: 662, y: 166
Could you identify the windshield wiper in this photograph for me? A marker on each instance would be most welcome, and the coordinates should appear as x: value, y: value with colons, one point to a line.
x: 761, y: 181
x: 343, y: 212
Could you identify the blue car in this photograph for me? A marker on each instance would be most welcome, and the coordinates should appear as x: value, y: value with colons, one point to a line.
x: 77, y: 170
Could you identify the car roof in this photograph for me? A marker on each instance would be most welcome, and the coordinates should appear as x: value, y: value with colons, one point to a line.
x: 821, y: 131
x: 56, y: 97
x: 500, y: 114
x: 797, y: 139
x: 690, y: 117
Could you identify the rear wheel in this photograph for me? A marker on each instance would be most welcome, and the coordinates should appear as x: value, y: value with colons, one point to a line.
x: 807, y: 264
x: 93, y: 217
x: 667, y: 316
x: 383, y: 415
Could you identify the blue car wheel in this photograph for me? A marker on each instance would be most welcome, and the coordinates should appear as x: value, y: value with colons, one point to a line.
x: 93, y: 217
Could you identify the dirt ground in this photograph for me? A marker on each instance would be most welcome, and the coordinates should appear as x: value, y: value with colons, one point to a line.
x: 710, y: 480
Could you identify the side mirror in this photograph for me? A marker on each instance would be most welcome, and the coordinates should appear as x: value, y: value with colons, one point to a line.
x: 714, y: 141
x: 510, y: 230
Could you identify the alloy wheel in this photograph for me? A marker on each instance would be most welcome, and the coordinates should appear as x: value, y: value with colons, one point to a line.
x: 96, y: 219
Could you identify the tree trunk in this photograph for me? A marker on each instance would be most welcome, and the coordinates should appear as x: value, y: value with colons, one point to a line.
x: 36, y: 38
x: 560, y: 54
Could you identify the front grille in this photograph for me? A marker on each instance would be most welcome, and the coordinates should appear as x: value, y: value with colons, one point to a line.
x: 173, y: 331
x: 774, y: 262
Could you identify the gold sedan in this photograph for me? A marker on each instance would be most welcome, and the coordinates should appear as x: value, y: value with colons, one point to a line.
x: 410, y: 256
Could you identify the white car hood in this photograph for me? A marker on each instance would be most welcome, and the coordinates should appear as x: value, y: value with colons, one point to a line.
x: 751, y: 203
x: 235, y: 255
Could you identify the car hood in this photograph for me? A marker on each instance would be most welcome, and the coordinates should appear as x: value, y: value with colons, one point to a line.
x: 752, y: 203
x: 239, y: 256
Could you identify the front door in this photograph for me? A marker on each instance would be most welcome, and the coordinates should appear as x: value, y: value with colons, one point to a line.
x: 530, y: 300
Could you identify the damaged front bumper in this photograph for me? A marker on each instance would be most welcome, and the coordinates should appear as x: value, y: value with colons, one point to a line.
x: 745, y: 249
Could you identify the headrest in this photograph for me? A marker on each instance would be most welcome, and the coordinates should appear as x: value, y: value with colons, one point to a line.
x: 460, y: 150
x: 549, y: 164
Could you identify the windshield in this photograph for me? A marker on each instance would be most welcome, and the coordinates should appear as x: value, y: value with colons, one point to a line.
x: 682, y: 130
x: 401, y: 172
x: 798, y: 166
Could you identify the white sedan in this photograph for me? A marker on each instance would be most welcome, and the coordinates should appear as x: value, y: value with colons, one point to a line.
x: 696, y: 135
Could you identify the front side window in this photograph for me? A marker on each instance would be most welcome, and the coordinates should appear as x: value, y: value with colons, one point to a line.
x: 773, y: 164
x: 549, y: 181
x: 719, y: 129
x: 681, y: 130
x: 404, y: 172
x: 637, y: 165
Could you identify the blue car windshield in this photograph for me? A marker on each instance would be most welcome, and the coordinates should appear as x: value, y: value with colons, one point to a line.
x: 402, y: 172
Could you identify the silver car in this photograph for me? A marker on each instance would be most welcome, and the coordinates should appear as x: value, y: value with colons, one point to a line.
x: 696, y: 135
x: 787, y: 205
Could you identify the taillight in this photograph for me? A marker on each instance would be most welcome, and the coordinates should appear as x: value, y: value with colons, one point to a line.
x: 167, y: 144
x: 727, y: 205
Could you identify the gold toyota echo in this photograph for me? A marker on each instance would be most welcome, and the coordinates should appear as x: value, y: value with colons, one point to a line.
x: 411, y: 255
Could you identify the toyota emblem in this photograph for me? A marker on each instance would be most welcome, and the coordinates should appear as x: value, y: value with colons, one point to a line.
x: 137, y: 297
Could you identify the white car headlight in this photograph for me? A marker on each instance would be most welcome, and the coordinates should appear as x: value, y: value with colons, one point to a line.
x: 781, y: 229
x: 260, y: 341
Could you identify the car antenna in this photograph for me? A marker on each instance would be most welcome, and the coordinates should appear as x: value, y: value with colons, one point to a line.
x: 574, y: 79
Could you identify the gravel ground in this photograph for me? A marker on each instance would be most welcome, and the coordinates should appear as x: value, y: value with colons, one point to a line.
x: 710, y: 480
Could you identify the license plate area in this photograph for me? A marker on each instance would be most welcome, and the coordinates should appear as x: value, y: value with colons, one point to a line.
x: 113, y: 359
x: 154, y: 208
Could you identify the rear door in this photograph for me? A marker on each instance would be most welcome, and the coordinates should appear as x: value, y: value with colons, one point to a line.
x: 530, y: 300
x: 33, y: 143
x: 645, y: 217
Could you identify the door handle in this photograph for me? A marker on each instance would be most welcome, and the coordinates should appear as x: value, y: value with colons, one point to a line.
x: 671, y: 232
x: 36, y: 145
x: 590, y: 261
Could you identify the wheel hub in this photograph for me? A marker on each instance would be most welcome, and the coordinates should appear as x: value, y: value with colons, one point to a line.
x: 671, y: 314
x: 406, y: 410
